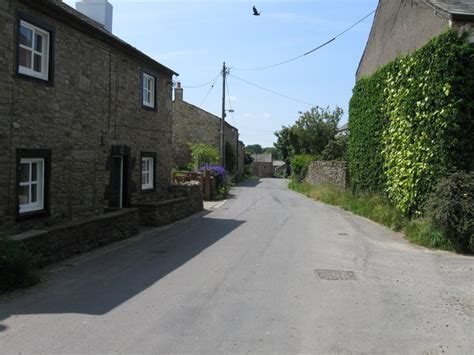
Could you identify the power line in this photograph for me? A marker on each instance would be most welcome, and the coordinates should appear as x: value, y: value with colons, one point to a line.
x: 201, y: 85
x: 272, y: 92
x: 312, y: 50
x: 210, y: 89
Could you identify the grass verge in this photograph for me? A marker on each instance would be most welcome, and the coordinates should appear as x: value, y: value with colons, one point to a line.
x: 378, y: 209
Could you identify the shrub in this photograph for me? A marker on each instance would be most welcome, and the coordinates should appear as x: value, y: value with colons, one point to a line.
x: 299, y: 165
x: 336, y: 149
x: 203, y: 154
x: 16, y: 270
x: 451, y: 207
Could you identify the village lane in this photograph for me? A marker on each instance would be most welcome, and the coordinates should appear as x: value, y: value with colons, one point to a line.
x: 269, y: 271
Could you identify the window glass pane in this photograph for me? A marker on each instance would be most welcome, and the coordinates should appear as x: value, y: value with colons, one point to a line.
x: 25, y: 58
x: 26, y: 36
x: 24, y: 195
x: 150, y: 84
x: 37, y: 63
x: 145, y: 82
x: 24, y: 172
x: 34, y: 171
x: 34, y: 193
x: 39, y: 43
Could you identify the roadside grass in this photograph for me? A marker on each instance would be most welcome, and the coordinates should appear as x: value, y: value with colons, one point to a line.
x: 378, y: 209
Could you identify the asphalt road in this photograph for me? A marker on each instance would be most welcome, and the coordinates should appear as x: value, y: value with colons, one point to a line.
x: 270, y: 271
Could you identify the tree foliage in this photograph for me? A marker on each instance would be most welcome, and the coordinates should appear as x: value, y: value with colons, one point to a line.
x: 203, y: 154
x: 310, y: 134
x: 254, y: 149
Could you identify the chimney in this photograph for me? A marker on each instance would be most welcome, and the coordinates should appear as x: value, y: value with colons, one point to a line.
x: 178, y: 92
x: 101, y: 11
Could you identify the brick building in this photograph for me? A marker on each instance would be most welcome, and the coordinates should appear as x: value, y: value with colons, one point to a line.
x: 192, y: 124
x: 86, y: 118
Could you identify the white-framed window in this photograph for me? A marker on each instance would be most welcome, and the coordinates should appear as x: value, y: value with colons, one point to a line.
x: 33, y: 53
x: 147, y: 173
x: 31, y: 189
x: 148, y: 90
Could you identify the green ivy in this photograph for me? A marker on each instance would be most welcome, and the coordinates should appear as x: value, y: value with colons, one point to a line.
x: 411, y: 122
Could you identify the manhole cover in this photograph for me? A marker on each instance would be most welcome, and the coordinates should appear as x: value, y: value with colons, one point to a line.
x: 335, y: 275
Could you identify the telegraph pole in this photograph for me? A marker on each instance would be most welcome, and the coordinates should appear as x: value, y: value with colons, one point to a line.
x: 222, y: 145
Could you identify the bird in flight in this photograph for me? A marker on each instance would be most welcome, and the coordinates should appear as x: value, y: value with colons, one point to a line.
x: 255, y: 12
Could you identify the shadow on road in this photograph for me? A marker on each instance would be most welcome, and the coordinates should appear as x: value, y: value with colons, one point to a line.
x: 106, y: 280
x: 250, y: 183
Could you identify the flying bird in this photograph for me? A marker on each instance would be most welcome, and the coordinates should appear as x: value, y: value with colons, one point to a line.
x: 255, y: 12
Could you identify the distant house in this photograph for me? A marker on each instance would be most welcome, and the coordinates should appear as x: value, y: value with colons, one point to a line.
x: 402, y: 26
x: 279, y: 167
x: 86, y: 117
x: 192, y: 124
x: 262, y: 165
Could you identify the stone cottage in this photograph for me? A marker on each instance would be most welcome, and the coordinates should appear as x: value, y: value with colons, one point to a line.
x: 402, y: 26
x: 262, y: 165
x: 192, y: 124
x: 86, y: 118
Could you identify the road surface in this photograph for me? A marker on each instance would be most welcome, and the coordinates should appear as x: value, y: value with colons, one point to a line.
x: 269, y: 271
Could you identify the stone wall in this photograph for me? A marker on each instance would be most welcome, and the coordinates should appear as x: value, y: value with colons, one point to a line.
x: 262, y: 169
x: 192, y: 124
x: 57, y: 243
x: 328, y: 172
x: 93, y: 104
x: 184, y: 201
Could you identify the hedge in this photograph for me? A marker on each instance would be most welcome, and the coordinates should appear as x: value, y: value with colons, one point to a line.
x: 411, y: 122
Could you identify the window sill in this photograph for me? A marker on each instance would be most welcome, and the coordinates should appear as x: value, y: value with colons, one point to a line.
x: 36, y: 79
x: 33, y: 214
x: 149, y: 108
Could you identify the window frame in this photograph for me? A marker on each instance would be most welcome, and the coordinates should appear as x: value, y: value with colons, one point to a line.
x: 39, y: 182
x: 148, y: 105
x: 48, y: 32
x: 34, y: 155
x: 151, y: 186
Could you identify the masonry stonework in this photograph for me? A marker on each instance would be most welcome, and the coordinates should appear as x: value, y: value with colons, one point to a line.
x: 328, y: 172
x: 93, y: 104
x: 192, y: 124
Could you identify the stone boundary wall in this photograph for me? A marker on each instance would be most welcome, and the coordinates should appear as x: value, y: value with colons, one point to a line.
x: 60, y: 242
x: 328, y: 172
x: 185, y: 201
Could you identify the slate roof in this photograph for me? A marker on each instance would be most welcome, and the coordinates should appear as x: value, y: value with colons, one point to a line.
x: 457, y: 8
x: 65, y: 13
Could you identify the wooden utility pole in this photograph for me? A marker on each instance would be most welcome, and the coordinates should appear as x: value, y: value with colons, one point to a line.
x: 222, y: 143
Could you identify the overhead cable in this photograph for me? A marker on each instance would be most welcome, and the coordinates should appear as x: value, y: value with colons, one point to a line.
x: 202, y: 85
x: 272, y: 92
x: 312, y: 50
x: 210, y: 89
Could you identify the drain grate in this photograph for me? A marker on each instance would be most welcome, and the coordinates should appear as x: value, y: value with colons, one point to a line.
x: 335, y: 275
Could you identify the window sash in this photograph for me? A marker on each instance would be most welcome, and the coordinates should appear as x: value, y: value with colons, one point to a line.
x: 35, y: 52
x: 147, y: 173
x: 148, y: 90
x: 32, y: 185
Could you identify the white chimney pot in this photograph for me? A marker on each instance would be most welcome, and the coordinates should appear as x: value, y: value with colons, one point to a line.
x: 101, y: 11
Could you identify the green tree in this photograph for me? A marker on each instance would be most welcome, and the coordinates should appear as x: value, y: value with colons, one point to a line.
x: 203, y: 154
x: 254, y: 149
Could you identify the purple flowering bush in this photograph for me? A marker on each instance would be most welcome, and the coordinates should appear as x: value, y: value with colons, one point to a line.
x: 217, y: 171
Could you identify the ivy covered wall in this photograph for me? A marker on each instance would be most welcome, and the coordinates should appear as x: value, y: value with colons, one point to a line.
x: 411, y: 122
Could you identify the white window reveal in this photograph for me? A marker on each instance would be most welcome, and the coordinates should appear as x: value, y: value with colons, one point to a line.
x: 31, y: 194
x: 147, y: 173
x: 33, y: 51
x: 148, y: 90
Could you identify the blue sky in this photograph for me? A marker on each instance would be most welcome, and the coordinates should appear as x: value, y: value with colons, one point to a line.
x: 194, y: 37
